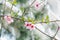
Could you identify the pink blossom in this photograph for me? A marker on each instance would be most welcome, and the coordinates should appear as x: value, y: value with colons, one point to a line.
x: 29, y: 25
x: 8, y: 19
x: 37, y: 5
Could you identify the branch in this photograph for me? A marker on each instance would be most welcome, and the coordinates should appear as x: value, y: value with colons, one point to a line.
x: 28, y: 7
x: 56, y: 32
x: 4, y: 7
x: 11, y: 9
x: 43, y: 32
x: 32, y: 3
x: 50, y: 21
x: 46, y: 34
x: 14, y: 8
x: 27, y: 21
x: 11, y: 17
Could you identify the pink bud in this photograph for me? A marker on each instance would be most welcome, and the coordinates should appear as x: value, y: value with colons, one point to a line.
x: 8, y: 19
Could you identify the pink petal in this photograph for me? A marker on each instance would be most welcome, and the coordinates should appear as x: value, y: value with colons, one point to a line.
x: 37, y: 4
x: 8, y: 19
x: 29, y: 26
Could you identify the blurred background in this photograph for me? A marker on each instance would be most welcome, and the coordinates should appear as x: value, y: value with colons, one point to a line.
x: 35, y: 11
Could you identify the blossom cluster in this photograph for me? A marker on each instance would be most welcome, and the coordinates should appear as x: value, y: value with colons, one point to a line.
x: 29, y: 25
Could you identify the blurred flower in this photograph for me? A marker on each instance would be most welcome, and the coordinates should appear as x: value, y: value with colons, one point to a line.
x: 29, y: 25
x: 8, y: 19
x: 37, y: 4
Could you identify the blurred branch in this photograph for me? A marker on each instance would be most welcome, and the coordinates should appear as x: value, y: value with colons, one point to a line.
x: 32, y: 3
x: 11, y: 17
x: 43, y: 32
x: 50, y: 21
x: 56, y: 32
x: 28, y: 7
x: 11, y: 9
x: 27, y: 21
x: 3, y: 15
x: 9, y: 5
x: 52, y: 38
x: 4, y: 7
x: 57, y: 28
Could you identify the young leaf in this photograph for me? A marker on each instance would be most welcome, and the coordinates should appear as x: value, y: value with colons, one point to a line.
x: 22, y: 9
x: 42, y: 20
x: 47, y: 19
x: 14, y: 2
x: 22, y: 18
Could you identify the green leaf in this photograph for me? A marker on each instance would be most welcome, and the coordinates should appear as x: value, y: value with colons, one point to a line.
x: 29, y: 19
x: 14, y: 2
x: 42, y: 20
x: 13, y: 14
x: 47, y: 19
x: 22, y: 9
x: 22, y: 18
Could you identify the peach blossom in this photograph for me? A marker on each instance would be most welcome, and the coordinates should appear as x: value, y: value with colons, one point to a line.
x: 29, y: 25
x: 8, y: 19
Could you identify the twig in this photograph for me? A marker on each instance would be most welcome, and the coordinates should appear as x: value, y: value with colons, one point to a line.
x: 11, y: 9
x: 37, y: 22
x: 50, y: 21
x: 28, y: 7
x: 2, y: 18
x: 4, y: 8
x: 43, y: 32
x: 32, y: 3
x: 57, y: 29
x: 11, y: 17
x: 46, y: 34
x: 56, y: 32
